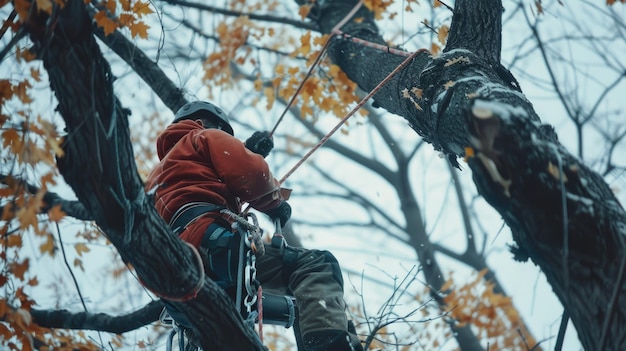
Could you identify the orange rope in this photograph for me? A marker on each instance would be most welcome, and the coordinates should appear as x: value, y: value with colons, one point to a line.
x: 356, y: 108
x: 259, y: 304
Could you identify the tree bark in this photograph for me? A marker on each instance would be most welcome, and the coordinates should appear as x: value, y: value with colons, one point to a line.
x: 562, y: 214
x: 99, y: 166
x: 98, y: 321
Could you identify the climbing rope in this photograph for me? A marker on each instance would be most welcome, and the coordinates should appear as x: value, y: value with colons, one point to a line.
x: 336, y: 31
x: 316, y: 62
x: 352, y: 112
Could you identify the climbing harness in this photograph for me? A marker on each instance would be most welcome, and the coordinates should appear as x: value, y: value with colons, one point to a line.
x: 255, y: 306
x: 189, y: 213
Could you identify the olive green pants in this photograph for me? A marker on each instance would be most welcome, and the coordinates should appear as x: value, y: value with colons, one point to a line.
x: 313, y: 277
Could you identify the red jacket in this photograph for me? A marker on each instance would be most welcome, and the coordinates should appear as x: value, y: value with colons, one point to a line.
x: 208, y: 165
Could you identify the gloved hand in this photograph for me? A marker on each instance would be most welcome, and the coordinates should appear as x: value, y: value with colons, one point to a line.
x: 260, y: 143
x: 282, y: 212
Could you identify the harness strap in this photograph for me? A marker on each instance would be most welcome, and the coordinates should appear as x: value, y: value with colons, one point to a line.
x: 290, y: 261
x: 189, y: 213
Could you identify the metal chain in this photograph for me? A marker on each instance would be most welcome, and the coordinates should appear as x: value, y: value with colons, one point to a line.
x: 250, y: 281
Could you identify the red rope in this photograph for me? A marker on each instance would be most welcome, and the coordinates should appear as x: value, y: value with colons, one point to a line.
x: 259, y: 307
x: 316, y: 62
x: 356, y: 108
x: 384, y: 48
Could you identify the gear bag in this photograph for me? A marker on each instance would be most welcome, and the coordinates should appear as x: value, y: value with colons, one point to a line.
x: 221, y: 247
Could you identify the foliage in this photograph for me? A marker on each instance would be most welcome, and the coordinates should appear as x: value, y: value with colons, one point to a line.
x: 492, y: 315
x: 32, y: 142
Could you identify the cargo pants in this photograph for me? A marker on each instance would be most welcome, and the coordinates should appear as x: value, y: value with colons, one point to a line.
x: 313, y: 277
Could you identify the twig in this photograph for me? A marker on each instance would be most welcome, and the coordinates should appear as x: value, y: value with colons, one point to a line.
x: 67, y: 264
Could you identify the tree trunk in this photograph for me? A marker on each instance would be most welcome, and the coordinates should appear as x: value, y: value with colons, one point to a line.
x: 99, y: 166
x: 563, y: 216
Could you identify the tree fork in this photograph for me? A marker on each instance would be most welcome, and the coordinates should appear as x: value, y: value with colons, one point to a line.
x: 562, y: 214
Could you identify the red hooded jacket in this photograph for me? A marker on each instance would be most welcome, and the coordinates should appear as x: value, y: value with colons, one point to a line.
x: 208, y: 165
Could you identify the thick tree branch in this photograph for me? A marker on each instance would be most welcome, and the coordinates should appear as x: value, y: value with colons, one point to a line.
x: 98, y: 321
x: 172, y: 96
x: 71, y: 208
x: 562, y: 214
x: 100, y: 167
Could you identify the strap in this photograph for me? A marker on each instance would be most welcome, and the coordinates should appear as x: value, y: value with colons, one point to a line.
x: 216, y: 238
x: 190, y: 212
x: 290, y: 261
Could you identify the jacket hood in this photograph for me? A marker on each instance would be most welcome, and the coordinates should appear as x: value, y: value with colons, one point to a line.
x: 173, y: 133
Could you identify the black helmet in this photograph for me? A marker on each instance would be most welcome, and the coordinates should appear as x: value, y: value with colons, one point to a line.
x: 202, y: 109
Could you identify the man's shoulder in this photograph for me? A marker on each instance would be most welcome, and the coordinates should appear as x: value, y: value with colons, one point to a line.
x: 217, y: 135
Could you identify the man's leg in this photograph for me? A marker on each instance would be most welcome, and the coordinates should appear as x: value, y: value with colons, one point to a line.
x: 314, y: 278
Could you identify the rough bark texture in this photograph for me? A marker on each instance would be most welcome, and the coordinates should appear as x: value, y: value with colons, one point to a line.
x: 563, y: 216
x: 99, y: 166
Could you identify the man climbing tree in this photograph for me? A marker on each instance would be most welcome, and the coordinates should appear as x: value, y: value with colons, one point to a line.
x: 204, y: 170
x: 563, y: 216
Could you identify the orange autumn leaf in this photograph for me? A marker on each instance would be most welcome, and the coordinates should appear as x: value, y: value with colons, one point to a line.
x: 81, y: 248
x: 23, y: 318
x: 139, y: 29
x: 6, y: 90
x: 79, y: 263
x: 27, y: 217
x: 45, y: 6
x: 48, y: 246
x: 447, y: 285
x: 5, y: 332
x: 111, y: 6
x: 48, y: 179
x: 442, y: 34
x: 125, y: 5
x: 3, y: 307
x: 434, y: 49
x: 304, y: 10
x: 125, y: 19
x: 25, y: 54
x: 271, y: 97
x: 104, y: 22
x: 141, y: 9
x: 305, y: 44
x: 18, y: 269
x: 14, y: 241
x: 22, y: 7
x: 21, y: 90
x: 35, y: 74
x: 56, y: 213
